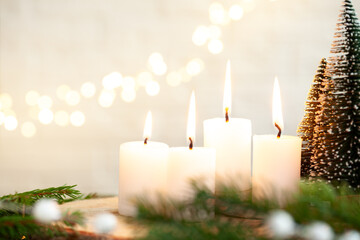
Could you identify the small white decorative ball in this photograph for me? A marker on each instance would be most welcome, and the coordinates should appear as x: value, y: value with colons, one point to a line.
x: 350, y: 235
x: 281, y: 224
x: 105, y: 223
x: 319, y: 231
x: 46, y: 211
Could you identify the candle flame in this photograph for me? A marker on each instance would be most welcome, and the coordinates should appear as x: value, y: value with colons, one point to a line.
x: 227, y: 92
x: 276, y: 108
x: 147, y: 127
x: 191, y: 121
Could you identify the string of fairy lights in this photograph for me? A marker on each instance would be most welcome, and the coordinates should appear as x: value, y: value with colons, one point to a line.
x: 113, y: 84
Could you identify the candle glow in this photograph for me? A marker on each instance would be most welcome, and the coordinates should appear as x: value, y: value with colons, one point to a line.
x: 227, y: 92
x: 276, y: 108
x: 147, y: 127
x: 191, y: 121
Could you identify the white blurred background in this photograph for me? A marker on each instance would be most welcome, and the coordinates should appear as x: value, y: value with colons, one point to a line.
x: 55, y: 130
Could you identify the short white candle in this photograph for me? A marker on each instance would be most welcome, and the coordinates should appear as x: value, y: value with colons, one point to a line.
x: 142, y: 170
x: 232, y: 139
x: 276, y: 159
x: 186, y: 163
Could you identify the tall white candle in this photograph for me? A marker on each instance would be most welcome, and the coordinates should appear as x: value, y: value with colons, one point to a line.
x: 142, y: 169
x: 276, y: 159
x: 186, y: 163
x: 232, y: 139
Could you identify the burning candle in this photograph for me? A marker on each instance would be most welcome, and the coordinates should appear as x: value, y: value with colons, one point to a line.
x: 276, y: 158
x: 232, y: 139
x: 190, y: 162
x: 142, y: 169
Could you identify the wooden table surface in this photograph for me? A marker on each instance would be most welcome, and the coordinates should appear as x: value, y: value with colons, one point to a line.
x: 91, y: 207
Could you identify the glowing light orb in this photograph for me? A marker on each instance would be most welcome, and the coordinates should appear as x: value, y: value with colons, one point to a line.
x: 88, y: 90
x: 200, y: 35
x: 62, y: 91
x: 6, y: 101
x: 215, y: 46
x: 152, y: 88
x: 61, y: 118
x: 28, y: 129
x: 77, y: 119
x: 236, y: 12
x: 112, y: 80
x: 31, y: 98
x: 143, y: 78
x: 173, y: 79
x: 128, y: 95
x: 106, y: 98
x: 194, y: 67
x: 72, y: 98
x: 157, y: 64
x: 45, y: 102
x: 10, y: 123
x: 46, y: 116
x: 155, y: 58
x: 218, y: 14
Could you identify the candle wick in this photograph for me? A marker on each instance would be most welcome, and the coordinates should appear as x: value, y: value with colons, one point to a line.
x: 145, y: 141
x: 278, y: 127
x: 191, y: 145
x: 227, y: 114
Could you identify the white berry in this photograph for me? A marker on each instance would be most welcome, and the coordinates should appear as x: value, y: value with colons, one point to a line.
x: 350, y: 235
x: 281, y: 224
x: 105, y: 223
x: 319, y: 231
x: 46, y: 211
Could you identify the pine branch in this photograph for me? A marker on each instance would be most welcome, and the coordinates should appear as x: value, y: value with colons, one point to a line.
x: 60, y: 194
x: 172, y: 220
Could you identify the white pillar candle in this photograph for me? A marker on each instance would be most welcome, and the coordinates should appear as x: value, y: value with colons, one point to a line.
x: 186, y: 163
x: 232, y: 139
x: 142, y: 170
x: 276, y: 159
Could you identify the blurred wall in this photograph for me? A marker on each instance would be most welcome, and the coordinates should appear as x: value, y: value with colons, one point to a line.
x: 48, y: 43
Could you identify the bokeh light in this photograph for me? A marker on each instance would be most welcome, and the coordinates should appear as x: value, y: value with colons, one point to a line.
x: 200, y: 35
x: 128, y: 94
x: 28, y: 129
x: 218, y: 14
x: 45, y: 102
x: 236, y: 12
x: 46, y: 116
x: 106, y: 98
x: 61, y: 118
x: 31, y: 98
x: 152, y: 88
x: 72, y: 98
x: 77, y: 119
x: 9, y: 112
x: 194, y: 67
x: 215, y: 46
x: 62, y: 91
x: 6, y: 101
x: 143, y: 78
x: 157, y: 64
x: 10, y: 123
x: 88, y: 89
x: 155, y: 58
x: 2, y: 118
x: 112, y: 80
x: 173, y: 79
